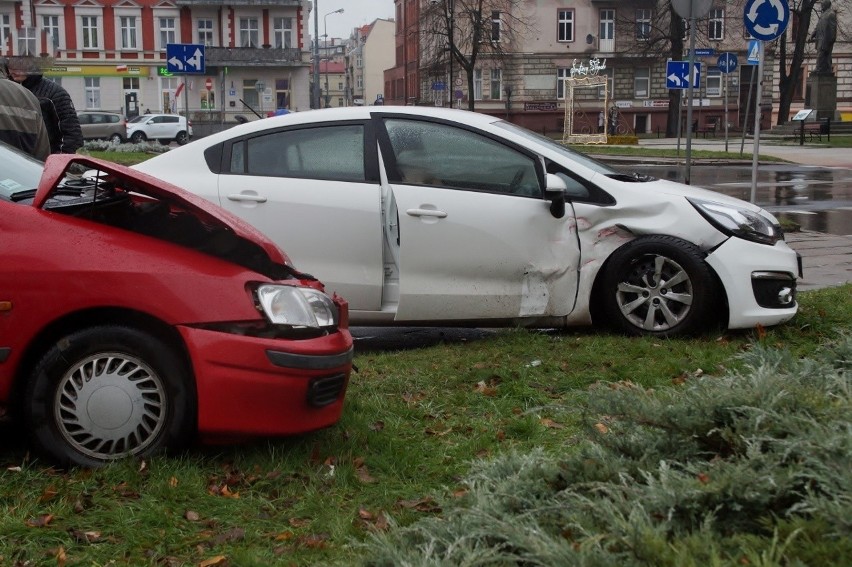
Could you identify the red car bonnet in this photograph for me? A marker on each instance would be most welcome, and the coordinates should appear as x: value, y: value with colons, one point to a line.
x: 55, y: 171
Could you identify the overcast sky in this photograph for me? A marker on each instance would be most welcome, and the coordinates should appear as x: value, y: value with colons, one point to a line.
x: 355, y: 13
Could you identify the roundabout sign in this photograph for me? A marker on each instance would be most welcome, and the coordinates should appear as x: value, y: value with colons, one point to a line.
x: 766, y: 19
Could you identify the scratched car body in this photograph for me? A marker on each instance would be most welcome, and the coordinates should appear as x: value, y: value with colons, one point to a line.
x: 445, y: 217
x: 135, y: 317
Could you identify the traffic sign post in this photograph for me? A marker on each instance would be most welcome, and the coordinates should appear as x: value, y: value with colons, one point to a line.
x: 678, y: 75
x: 765, y: 20
x: 185, y: 58
x: 727, y: 63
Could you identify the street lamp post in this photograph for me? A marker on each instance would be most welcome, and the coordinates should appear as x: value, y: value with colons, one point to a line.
x: 315, y: 89
x: 325, y: 36
x: 451, y: 16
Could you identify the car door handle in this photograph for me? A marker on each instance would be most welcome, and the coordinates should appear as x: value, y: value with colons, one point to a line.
x: 244, y: 197
x: 426, y: 213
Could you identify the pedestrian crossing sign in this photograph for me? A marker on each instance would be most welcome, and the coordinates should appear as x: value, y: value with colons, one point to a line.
x: 754, y: 52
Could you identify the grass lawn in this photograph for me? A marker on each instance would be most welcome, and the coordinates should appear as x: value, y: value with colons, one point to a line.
x: 416, y: 421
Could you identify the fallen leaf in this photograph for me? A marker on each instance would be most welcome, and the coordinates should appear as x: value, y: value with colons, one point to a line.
x: 549, y: 423
x: 48, y: 495
x: 364, y: 475
x: 680, y: 379
x: 430, y: 431
x: 14, y: 469
x: 299, y: 522
x: 761, y: 331
x: 314, y: 541
x: 703, y: 478
x: 426, y: 504
x: 218, y: 560
x: 377, y: 426
x: 284, y: 536
x: 41, y: 521
x: 85, y: 537
x: 143, y: 465
x: 192, y: 516
x: 601, y: 428
x: 61, y: 557
x: 501, y: 435
x: 173, y: 482
x: 365, y: 514
x: 485, y: 389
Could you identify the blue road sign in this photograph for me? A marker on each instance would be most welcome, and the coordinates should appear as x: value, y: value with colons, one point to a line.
x: 185, y: 58
x: 677, y: 75
x: 753, y: 57
x: 766, y: 19
x: 703, y: 52
x: 727, y: 62
x: 438, y: 86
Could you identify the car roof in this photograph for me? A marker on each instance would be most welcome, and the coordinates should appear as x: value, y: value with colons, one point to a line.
x: 350, y: 113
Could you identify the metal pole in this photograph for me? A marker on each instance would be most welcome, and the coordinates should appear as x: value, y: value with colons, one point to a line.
x: 748, y: 107
x: 451, y: 88
x: 727, y: 80
x: 692, y: 34
x: 325, y: 38
x: 756, y: 148
x: 315, y: 94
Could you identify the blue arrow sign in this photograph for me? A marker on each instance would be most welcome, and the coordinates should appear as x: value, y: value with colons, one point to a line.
x: 766, y: 19
x: 727, y: 62
x: 185, y: 58
x: 677, y: 75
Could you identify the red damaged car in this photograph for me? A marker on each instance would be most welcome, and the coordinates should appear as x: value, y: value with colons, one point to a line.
x: 135, y: 317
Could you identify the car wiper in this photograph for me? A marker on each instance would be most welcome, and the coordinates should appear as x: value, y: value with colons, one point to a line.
x: 22, y: 195
x: 634, y: 177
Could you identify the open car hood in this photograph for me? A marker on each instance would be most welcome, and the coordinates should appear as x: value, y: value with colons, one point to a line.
x: 55, y: 172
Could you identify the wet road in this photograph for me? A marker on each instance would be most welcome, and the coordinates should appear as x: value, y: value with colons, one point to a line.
x: 817, y: 198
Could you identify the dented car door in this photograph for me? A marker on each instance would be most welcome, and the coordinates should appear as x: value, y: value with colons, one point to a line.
x: 476, y: 239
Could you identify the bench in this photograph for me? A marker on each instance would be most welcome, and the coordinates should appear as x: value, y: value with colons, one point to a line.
x: 813, y: 129
x: 708, y: 128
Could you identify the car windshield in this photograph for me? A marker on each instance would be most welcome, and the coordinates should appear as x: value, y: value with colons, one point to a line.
x: 553, y: 144
x: 19, y: 172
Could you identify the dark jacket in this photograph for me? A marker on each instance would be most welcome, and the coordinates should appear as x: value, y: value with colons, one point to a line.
x: 60, y: 116
x: 21, y: 123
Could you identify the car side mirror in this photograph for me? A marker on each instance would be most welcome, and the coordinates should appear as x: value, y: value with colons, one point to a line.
x: 554, y: 191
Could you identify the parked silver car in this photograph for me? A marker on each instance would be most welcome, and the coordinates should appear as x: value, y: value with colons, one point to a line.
x: 98, y: 125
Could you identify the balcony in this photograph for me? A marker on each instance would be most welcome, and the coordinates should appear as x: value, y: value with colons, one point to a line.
x: 254, y: 56
x: 226, y: 3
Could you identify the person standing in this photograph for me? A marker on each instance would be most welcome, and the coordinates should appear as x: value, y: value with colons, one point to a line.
x: 21, y: 123
x: 60, y: 116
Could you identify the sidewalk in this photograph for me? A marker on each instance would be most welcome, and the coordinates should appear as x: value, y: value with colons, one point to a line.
x: 826, y: 258
x: 808, y: 154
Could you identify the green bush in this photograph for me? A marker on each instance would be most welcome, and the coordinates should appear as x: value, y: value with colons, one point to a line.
x: 748, y: 468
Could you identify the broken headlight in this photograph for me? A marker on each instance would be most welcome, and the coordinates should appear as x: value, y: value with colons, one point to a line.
x: 757, y: 226
x: 296, y: 306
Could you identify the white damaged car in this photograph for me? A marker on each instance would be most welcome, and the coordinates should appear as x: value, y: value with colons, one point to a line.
x: 430, y: 216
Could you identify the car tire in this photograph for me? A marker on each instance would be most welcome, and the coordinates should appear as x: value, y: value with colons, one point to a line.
x: 137, y: 137
x: 108, y: 392
x: 182, y: 138
x: 635, y: 303
x: 116, y: 139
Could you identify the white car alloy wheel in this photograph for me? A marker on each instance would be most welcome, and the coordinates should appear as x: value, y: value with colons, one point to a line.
x: 110, y: 405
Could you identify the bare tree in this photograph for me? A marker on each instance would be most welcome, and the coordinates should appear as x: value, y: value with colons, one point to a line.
x: 458, y: 33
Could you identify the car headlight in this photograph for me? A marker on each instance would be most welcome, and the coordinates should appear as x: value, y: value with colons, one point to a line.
x: 296, y: 306
x: 757, y: 226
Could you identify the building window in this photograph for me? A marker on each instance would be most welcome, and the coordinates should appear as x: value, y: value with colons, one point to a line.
x: 495, y: 26
x: 250, y: 94
x: 5, y: 32
x: 359, y: 82
x: 128, y: 31
x: 27, y: 41
x: 50, y: 25
x: 562, y: 73
x: 359, y: 61
x: 93, y: 92
x: 642, y: 82
x: 130, y: 83
x: 607, y: 31
x: 91, y: 39
x: 283, y: 33
x: 477, y: 84
x: 565, y: 25
x: 716, y: 31
x: 249, y: 36
x: 496, y: 84
x: 643, y: 24
x: 713, y: 82
x: 167, y: 32
x: 205, y: 31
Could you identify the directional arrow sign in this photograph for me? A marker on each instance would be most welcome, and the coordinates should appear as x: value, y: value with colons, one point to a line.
x: 185, y: 58
x: 766, y: 19
x: 677, y: 75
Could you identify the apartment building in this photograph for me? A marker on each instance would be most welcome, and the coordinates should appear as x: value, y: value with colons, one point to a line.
x: 111, y: 54
x: 541, y: 41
